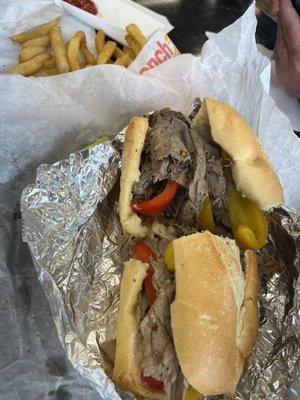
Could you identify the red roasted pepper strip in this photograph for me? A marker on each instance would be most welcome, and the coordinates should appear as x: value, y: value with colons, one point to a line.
x: 150, y: 291
x: 153, y: 383
x: 144, y: 253
x: 158, y: 203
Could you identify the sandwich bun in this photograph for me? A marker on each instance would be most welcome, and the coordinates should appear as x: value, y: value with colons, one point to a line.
x: 214, y: 317
x: 252, y: 171
x: 130, y: 173
x: 127, y: 371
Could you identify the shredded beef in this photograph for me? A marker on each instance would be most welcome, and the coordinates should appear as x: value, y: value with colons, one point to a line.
x: 198, y: 188
x: 158, y: 353
x: 215, y: 180
x: 167, y: 153
x: 174, y: 150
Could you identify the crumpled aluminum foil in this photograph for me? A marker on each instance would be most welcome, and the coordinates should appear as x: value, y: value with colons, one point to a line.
x: 71, y: 224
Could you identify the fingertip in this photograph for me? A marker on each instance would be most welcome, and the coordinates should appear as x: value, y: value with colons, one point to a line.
x: 286, y: 9
x: 282, y: 6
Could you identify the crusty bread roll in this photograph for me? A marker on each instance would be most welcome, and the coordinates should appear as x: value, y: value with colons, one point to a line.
x: 214, y: 316
x: 127, y: 370
x: 130, y: 173
x: 253, y: 174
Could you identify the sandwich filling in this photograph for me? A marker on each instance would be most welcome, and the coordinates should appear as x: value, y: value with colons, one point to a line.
x: 177, y: 159
x: 186, y: 183
x: 174, y: 151
x: 160, y: 370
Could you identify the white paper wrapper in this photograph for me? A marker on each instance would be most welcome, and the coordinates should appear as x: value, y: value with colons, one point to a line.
x: 18, y: 16
x: 287, y: 103
x: 43, y: 118
x: 114, y: 22
x: 158, y: 50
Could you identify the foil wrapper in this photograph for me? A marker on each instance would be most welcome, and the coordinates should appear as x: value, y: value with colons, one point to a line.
x: 71, y: 225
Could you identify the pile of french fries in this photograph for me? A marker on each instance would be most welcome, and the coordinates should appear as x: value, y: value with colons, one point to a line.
x: 43, y: 51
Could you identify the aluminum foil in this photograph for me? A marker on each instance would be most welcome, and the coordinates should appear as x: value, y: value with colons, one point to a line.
x: 71, y: 225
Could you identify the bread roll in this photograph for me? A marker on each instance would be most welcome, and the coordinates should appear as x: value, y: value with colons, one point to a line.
x: 127, y: 370
x: 130, y: 173
x: 214, y: 316
x: 253, y: 173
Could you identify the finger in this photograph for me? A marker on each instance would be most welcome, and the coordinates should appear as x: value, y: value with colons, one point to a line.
x: 281, y: 59
x: 279, y: 31
x: 281, y: 51
x: 280, y: 48
x: 290, y: 26
x: 279, y: 44
x: 270, y: 6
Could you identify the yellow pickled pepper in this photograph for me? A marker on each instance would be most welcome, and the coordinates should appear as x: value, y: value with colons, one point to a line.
x: 206, y: 218
x: 247, y: 221
x: 192, y: 394
x: 169, y: 257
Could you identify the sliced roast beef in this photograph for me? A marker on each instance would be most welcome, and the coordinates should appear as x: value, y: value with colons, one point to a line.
x: 215, y: 180
x: 167, y: 151
x: 158, y: 353
x: 174, y: 150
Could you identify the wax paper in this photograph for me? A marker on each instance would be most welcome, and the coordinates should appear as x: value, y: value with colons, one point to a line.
x: 113, y: 22
x: 74, y: 107
x: 43, y: 120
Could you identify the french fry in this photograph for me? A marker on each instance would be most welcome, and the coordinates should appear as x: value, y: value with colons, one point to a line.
x: 124, y: 60
x: 133, y: 45
x: 99, y: 41
x: 87, y: 55
x: 59, y: 50
x: 73, y: 52
x: 136, y: 33
x: 127, y: 50
x: 42, y: 41
x: 30, y: 67
x: 30, y: 52
x: 47, y: 72
x: 50, y: 63
x: 118, y: 53
x: 106, y: 52
x: 78, y: 42
x: 35, y: 61
x: 35, y: 33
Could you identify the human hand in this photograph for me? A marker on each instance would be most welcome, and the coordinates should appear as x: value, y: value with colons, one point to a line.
x: 287, y: 48
x: 269, y: 6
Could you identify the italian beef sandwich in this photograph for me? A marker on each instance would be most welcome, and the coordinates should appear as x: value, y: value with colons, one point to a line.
x: 194, y: 194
